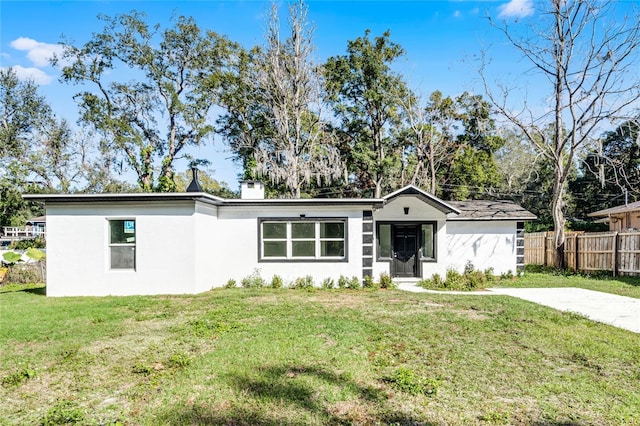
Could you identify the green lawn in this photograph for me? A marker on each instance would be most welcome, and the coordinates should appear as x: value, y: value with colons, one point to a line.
x: 299, y: 357
x: 624, y: 286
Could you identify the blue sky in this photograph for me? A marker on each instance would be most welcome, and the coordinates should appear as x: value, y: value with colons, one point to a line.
x: 443, y: 40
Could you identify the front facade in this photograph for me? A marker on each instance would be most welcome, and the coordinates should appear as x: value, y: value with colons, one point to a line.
x: 126, y: 244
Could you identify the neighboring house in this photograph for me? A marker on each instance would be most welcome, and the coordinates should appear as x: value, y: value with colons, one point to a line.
x: 161, y: 243
x: 35, y: 228
x: 621, y: 218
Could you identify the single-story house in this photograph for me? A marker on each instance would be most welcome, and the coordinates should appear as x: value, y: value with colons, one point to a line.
x: 172, y: 243
x: 621, y: 218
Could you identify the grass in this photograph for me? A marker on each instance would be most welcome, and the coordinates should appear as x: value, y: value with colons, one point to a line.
x: 264, y: 356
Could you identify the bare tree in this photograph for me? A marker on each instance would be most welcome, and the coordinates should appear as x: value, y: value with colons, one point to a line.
x: 588, y: 62
x: 430, y: 131
x: 299, y: 147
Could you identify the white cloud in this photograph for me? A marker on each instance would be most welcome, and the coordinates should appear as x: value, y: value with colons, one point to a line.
x: 31, y: 73
x: 39, y: 53
x: 516, y: 9
x: 456, y: 14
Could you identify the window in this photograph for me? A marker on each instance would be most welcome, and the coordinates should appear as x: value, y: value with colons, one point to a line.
x: 384, y: 240
x: 427, y: 241
x: 306, y: 239
x: 122, y: 244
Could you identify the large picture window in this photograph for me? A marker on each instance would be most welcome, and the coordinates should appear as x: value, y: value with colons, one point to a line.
x: 122, y: 243
x: 309, y: 239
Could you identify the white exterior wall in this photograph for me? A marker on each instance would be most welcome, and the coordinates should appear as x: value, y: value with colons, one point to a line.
x: 206, y: 241
x: 78, y: 253
x: 237, y: 251
x: 487, y: 244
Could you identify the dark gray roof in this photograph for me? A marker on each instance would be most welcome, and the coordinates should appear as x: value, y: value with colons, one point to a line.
x: 490, y: 210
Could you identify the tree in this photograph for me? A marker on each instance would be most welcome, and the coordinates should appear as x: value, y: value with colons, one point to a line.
x: 610, y: 172
x: 27, y: 125
x: 22, y: 111
x: 429, y: 137
x: 588, y: 62
x: 472, y: 171
x: 243, y: 123
x: 365, y: 94
x: 299, y: 148
x: 149, y: 121
x: 208, y: 184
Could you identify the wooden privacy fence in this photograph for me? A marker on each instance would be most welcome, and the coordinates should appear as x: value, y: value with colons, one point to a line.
x: 617, y: 252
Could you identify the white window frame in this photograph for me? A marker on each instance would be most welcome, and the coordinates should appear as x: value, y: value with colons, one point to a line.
x: 318, y: 240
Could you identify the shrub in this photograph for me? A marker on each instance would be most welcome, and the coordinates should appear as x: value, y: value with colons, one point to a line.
x: 23, y: 273
x: 303, y: 282
x: 454, y: 280
x: 489, y: 275
x: 353, y: 283
x: 328, y: 283
x: 386, y: 281
x: 368, y: 282
x: 253, y: 281
x: 230, y: 284
x: 471, y: 279
x: 27, y: 244
x: 468, y: 268
x: 343, y: 282
x: 276, y: 281
x: 507, y: 275
x: 475, y: 280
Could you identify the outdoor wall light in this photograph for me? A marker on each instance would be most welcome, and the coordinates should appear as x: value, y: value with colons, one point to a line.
x: 406, y: 210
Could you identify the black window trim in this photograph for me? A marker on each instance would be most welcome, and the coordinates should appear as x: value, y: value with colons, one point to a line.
x: 343, y: 219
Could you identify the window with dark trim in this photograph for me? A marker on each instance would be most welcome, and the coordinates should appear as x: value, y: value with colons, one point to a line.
x: 122, y: 243
x: 426, y: 239
x: 303, y: 239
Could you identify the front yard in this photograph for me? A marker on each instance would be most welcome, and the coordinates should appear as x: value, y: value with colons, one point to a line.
x: 262, y: 356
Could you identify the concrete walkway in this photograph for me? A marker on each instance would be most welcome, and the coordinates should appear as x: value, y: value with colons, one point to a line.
x: 619, y: 311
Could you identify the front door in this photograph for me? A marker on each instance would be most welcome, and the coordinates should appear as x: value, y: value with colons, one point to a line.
x: 405, y: 251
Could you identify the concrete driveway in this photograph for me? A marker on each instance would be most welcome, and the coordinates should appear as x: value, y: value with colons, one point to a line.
x: 619, y: 311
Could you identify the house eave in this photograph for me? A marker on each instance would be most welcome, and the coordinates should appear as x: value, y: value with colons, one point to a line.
x: 125, y: 197
x: 198, y: 196
x: 491, y: 219
x: 373, y: 203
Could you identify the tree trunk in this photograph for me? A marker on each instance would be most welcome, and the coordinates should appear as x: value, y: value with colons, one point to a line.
x: 558, y: 218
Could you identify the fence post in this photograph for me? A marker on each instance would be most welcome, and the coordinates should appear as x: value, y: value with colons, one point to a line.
x: 577, y: 254
x: 614, y: 259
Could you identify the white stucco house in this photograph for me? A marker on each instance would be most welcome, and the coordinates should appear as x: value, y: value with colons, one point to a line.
x: 178, y: 243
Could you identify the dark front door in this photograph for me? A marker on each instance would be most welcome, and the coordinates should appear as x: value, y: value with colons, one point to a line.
x: 405, y: 251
